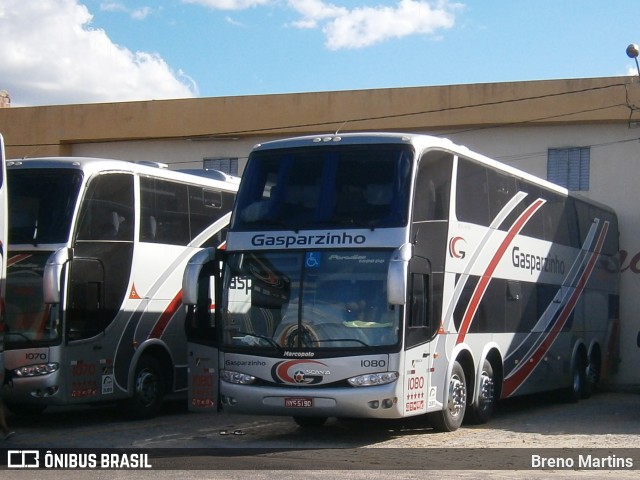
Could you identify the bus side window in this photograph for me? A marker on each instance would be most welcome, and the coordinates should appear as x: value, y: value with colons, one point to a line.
x: 472, y: 199
x: 418, y: 313
x: 433, y: 185
x: 107, y: 213
x: 502, y: 188
x: 101, y: 265
x: 164, y: 211
x: 200, y: 324
x: 205, y: 207
x: 85, y: 317
x: 419, y: 310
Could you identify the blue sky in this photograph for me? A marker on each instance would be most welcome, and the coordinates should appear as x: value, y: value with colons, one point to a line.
x: 89, y: 51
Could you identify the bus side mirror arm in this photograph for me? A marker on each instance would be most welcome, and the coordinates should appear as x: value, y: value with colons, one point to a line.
x: 398, y: 274
x: 52, y: 275
x: 192, y: 274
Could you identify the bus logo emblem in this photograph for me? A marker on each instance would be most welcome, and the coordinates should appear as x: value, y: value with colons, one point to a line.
x: 298, y: 377
x: 454, y: 247
x: 302, y: 372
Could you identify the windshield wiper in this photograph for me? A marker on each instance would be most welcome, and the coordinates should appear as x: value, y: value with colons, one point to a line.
x: 270, y: 341
x: 343, y: 340
x: 23, y: 337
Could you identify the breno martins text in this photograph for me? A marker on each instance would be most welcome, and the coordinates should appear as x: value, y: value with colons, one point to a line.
x: 587, y: 462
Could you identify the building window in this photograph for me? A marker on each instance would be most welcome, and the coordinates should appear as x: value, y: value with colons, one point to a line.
x: 569, y: 167
x: 226, y: 165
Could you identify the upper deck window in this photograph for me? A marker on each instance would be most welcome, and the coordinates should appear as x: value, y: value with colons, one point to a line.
x: 325, y: 187
x: 41, y: 204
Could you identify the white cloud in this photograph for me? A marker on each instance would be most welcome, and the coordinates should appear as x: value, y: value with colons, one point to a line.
x: 141, y: 13
x: 364, y: 26
x: 358, y: 27
x: 113, y: 7
x: 233, y: 22
x: 228, y: 4
x: 51, y: 55
x: 136, y: 14
x: 315, y: 11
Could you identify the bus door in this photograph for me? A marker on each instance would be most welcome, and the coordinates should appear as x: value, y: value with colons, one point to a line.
x: 98, y: 280
x: 418, y: 333
x: 198, y: 294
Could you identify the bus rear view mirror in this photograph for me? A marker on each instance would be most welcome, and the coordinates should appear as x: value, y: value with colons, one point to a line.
x: 398, y: 274
x: 192, y: 275
x: 52, y: 275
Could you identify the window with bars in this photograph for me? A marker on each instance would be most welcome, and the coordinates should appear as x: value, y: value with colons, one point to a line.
x: 569, y: 167
x: 226, y: 165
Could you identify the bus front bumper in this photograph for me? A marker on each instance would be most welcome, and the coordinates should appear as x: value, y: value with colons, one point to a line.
x: 38, y: 390
x: 349, y: 402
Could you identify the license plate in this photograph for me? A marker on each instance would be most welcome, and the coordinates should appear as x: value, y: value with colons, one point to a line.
x: 298, y: 402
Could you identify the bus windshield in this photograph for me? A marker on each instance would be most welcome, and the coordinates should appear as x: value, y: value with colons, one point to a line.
x: 308, y: 300
x: 344, y: 186
x: 41, y: 205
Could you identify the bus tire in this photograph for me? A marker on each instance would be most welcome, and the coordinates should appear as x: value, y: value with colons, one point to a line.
x: 574, y: 392
x: 450, y: 418
x: 592, y: 376
x: 310, y: 422
x: 484, y: 405
x: 148, y: 389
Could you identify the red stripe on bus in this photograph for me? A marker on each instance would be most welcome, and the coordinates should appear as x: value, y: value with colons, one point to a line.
x: 160, y: 326
x: 612, y: 347
x: 481, y: 288
x: 514, y: 381
x: 17, y: 258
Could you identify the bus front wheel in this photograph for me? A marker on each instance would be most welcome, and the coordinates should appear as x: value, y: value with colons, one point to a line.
x: 148, y: 389
x: 450, y: 417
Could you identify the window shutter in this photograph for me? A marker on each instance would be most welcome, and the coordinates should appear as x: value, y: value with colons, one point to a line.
x: 225, y: 165
x: 569, y: 167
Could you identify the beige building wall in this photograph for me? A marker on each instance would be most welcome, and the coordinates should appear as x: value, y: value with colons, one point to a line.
x: 513, y: 122
x: 54, y: 130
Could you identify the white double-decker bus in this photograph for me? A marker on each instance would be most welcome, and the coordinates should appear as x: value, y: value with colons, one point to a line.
x: 389, y: 275
x: 3, y: 252
x: 97, y: 249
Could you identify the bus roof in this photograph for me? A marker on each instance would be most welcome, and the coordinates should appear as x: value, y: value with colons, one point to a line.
x: 92, y: 166
x: 420, y: 142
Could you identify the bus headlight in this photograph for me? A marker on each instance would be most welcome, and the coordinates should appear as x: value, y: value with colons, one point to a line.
x: 371, y: 379
x: 238, y: 378
x: 36, y: 370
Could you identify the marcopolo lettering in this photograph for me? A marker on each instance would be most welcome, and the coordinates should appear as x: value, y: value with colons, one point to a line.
x: 537, y: 263
x: 264, y: 240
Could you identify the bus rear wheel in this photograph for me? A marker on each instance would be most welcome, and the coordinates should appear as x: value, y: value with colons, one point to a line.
x: 450, y: 418
x: 592, y: 376
x: 574, y: 393
x: 148, y: 389
x: 485, y: 404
